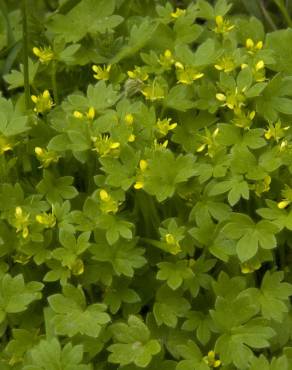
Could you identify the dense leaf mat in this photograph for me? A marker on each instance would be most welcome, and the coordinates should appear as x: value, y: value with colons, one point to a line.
x: 146, y: 189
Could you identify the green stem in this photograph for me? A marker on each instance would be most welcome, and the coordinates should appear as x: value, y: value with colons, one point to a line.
x: 25, y: 54
x: 281, y: 5
x: 4, y: 10
x: 54, y: 82
x: 267, y: 16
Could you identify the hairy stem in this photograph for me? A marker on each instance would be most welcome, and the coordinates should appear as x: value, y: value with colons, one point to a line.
x: 25, y: 54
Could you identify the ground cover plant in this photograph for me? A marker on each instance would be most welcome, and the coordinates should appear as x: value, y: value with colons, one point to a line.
x: 145, y: 188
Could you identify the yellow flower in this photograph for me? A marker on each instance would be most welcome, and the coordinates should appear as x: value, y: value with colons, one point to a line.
x: 91, y: 113
x: 131, y: 138
x: 275, y: 131
x: 43, y: 102
x: 211, y: 361
x: 138, y: 74
x: 153, y: 91
x: 164, y: 126
x: 160, y: 146
x: 222, y: 25
x: 253, y: 47
x: 225, y: 64
x: 5, y: 144
x: 186, y: 75
x: 45, y: 54
x: 21, y: 222
x: 262, y: 186
x: 46, y: 157
x: 143, y: 165
x: 283, y: 204
x: 233, y: 100
x: 248, y: 267
x: 108, y: 204
x: 77, y: 267
x: 209, y: 142
x: 178, y: 13
x: 101, y: 73
x: 173, y: 246
x: 78, y: 114
x: 243, y: 119
x: 129, y: 119
x: 47, y: 220
x: 166, y: 59
x: 287, y: 195
x: 104, y: 145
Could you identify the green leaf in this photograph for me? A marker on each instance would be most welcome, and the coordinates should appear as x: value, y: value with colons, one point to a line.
x: 133, y: 343
x: 86, y: 17
x: 71, y: 307
x: 49, y: 355
x: 174, y: 273
x: 12, y: 121
x: 56, y: 189
x: 16, y: 296
x: 169, y: 307
x: 123, y: 256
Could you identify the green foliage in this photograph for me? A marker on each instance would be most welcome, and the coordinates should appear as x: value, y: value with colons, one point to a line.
x: 145, y: 185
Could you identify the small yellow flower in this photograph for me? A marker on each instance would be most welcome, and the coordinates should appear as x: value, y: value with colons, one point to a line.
x: 77, y: 267
x: 283, y: 204
x: 164, y: 126
x: 139, y: 185
x: 178, y: 13
x: 187, y: 74
x: 221, y: 97
x: 222, y: 25
x: 287, y: 197
x: 129, y: 119
x: 209, y: 142
x: 101, y: 73
x: 45, y: 54
x: 5, y: 144
x: 47, y: 220
x: 138, y: 74
x: 225, y: 64
x: 275, y: 131
x: 160, y: 146
x: 253, y: 47
x: 153, y: 91
x: 131, y: 138
x: 21, y: 222
x: 166, y: 59
x: 211, y: 361
x: 143, y: 164
x: 43, y: 102
x: 248, y: 267
x: 260, y: 65
x: 78, y: 114
x: 262, y: 186
x: 108, y: 204
x: 91, y: 113
x: 173, y: 246
x: 46, y: 157
x: 244, y: 119
x: 104, y: 145
x: 104, y: 196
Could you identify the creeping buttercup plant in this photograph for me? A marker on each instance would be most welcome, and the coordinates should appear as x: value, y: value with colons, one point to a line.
x: 146, y: 192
